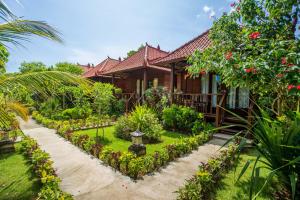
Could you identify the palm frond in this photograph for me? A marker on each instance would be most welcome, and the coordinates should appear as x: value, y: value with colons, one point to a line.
x: 19, y: 30
x: 18, y: 109
x: 5, y: 13
x: 42, y: 83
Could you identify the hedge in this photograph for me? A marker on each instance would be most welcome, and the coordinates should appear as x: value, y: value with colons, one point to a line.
x: 202, y: 185
x: 44, y: 170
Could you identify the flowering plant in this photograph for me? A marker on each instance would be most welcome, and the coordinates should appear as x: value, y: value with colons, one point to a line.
x: 256, y: 46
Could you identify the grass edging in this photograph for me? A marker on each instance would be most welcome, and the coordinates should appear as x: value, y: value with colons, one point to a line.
x: 126, y: 162
x: 44, y: 170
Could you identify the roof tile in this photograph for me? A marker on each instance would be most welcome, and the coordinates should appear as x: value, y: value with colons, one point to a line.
x: 142, y: 58
x: 102, y: 67
x: 199, y: 43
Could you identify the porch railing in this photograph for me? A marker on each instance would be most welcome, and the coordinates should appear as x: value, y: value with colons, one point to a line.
x: 210, y: 104
x: 129, y: 99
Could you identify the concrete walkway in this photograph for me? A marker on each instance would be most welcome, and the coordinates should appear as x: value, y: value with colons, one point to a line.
x: 87, y: 178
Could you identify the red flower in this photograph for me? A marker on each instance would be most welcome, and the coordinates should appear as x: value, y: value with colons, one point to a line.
x: 283, y: 60
x: 291, y: 87
x: 248, y: 70
x: 291, y: 64
x: 298, y: 87
x: 279, y: 75
x: 254, y: 35
x: 238, y: 8
x: 228, y: 55
x: 251, y: 69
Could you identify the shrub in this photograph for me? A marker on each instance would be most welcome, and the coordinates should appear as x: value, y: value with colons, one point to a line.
x: 182, y: 119
x: 44, y: 170
x: 204, y: 182
x: 136, y: 168
x: 125, y: 158
x: 157, y: 99
x: 143, y: 119
x: 77, y: 113
x: 123, y: 128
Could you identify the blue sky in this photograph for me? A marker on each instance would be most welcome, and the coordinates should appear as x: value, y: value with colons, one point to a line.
x: 95, y: 29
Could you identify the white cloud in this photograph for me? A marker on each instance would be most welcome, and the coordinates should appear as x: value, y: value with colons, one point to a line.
x: 206, y: 9
x: 210, y: 11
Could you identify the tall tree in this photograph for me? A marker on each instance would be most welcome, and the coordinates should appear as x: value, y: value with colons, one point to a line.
x: 68, y: 67
x: 32, y: 67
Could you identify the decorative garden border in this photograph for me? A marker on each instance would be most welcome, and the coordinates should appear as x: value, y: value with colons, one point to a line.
x: 126, y: 162
x: 44, y: 170
x: 209, y: 175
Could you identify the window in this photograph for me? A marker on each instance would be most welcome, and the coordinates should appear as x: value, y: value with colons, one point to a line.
x: 205, y: 84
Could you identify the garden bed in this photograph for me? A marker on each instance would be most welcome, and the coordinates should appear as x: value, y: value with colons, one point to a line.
x: 118, y: 144
x: 126, y: 162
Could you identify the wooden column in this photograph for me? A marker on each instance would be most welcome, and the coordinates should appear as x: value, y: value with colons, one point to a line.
x: 172, y: 76
x: 113, y: 79
x: 145, y: 80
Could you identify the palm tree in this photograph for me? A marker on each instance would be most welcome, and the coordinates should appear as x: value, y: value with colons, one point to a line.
x: 14, y: 30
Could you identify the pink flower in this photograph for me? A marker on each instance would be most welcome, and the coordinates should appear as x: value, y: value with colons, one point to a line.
x: 291, y: 87
x: 232, y: 4
x: 283, y: 60
x: 238, y: 8
x: 254, y: 35
x: 298, y: 87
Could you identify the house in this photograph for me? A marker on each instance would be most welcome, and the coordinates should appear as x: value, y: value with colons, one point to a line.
x: 97, y: 73
x: 136, y: 73
x: 205, y: 93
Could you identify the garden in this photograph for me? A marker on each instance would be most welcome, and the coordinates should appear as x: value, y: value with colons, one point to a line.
x: 254, y: 46
x: 169, y: 132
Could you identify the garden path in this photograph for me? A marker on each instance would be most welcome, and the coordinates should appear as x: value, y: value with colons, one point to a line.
x: 86, y: 177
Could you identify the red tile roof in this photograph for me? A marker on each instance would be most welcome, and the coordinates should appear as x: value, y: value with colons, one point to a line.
x: 102, y: 67
x: 199, y: 43
x: 85, y: 68
x: 140, y: 59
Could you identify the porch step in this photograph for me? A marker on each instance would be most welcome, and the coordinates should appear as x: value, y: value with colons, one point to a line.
x: 235, y: 125
x: 233, y: 119
x: 223, y: 136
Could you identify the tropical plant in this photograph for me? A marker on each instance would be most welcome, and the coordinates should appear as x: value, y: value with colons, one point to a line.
x: 14, y: 30
x: 182, y: 119
x: 142, y: 119
x: 277, y: 143
x: 157, y: 99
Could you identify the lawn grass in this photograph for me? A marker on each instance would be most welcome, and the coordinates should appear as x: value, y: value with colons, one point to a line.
x: 17, y: 180
x: 230, y: 190
x: 122, y: 145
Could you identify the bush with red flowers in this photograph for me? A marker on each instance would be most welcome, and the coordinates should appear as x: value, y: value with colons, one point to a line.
x: 256, y: 46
